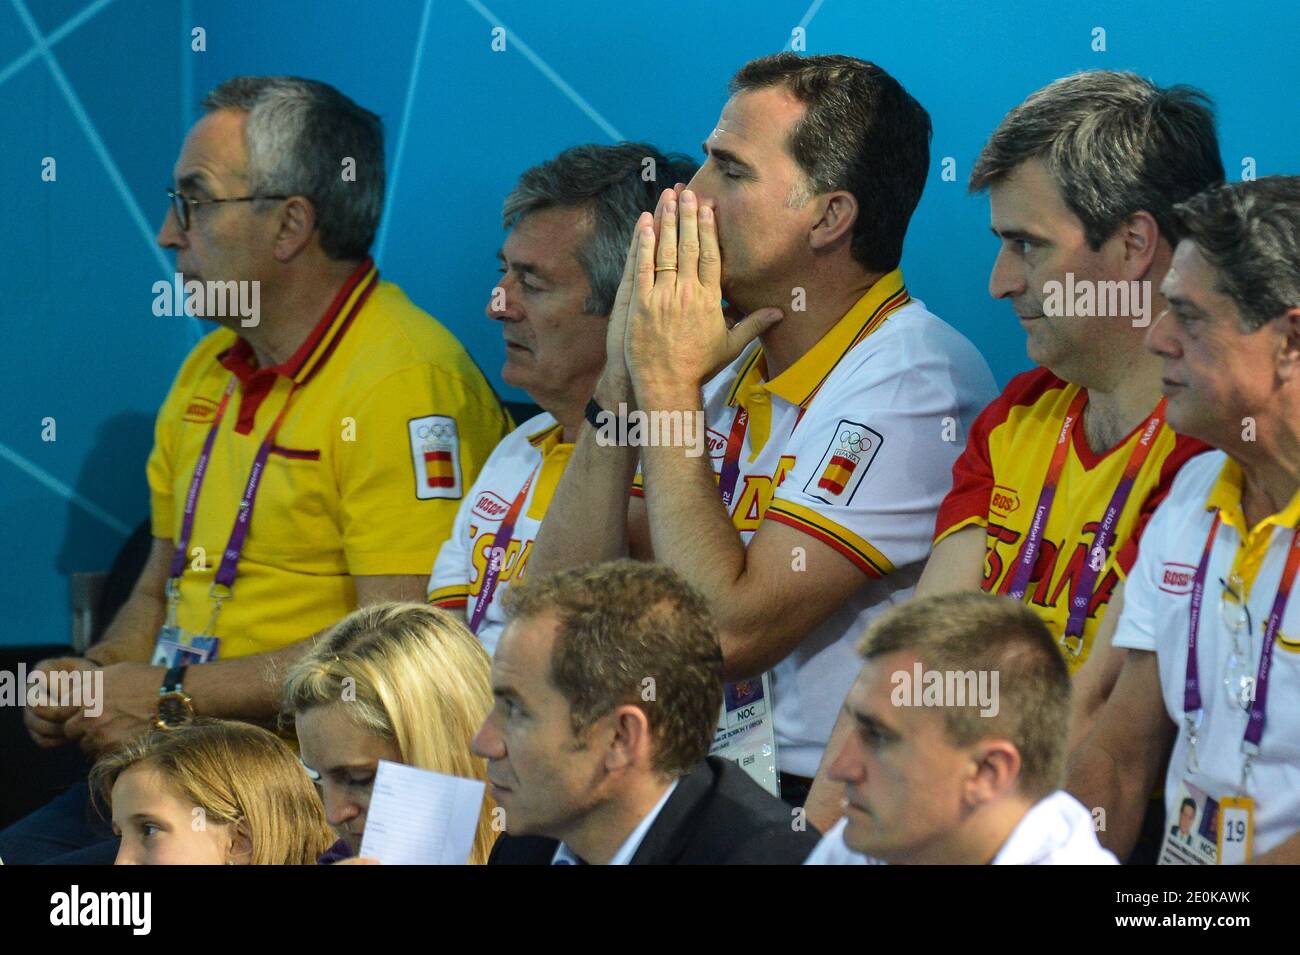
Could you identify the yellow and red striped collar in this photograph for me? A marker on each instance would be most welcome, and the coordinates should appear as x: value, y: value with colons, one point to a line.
x: 798, y: 383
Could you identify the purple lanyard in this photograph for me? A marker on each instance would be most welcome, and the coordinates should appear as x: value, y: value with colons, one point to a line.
x: 1192, y: 684
x: 500, y: 543
x: 731, y: 459
x: 1102, y: 540
x: 225, y: 576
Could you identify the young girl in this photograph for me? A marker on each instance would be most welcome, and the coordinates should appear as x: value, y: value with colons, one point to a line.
x: 213, y: 792
x: 403, y: 682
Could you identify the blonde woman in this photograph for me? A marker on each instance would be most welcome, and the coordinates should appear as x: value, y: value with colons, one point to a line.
x: 211, y: 792
x: 398, y: 681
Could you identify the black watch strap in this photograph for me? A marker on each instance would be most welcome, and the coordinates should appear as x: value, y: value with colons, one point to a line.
x: 172, y: 681
x: 594, y: 412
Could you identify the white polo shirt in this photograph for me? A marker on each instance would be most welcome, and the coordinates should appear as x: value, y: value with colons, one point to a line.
x: 1057, y: 830
x: 534, y: 448
x: 853, y: 445
x: 1156, y: 607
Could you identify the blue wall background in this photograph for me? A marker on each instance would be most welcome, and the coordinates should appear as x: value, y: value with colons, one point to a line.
x: 108, y: 89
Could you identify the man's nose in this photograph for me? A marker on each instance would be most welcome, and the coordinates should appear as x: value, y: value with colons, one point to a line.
x: 487, y: 742
x: 170, y: 235
x: 501, y: 306
x: 1007, y: 280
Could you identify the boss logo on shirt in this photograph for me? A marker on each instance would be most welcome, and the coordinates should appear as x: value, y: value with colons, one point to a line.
x: 850, y: 452
x: 717, y: 443
x: 200, y: 410
x: 1004, y: 500
x: 490, y: 507
x: 435, y: 456
x: 1176, y: 578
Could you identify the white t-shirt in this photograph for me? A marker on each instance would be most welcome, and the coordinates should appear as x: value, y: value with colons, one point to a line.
x: 535, y: 446
x: 1157, y: 601
x: 852, y: 445
x: 1057, y: 830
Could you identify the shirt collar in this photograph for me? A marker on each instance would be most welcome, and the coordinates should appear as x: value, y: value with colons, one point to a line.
x: 313, y: 352
x: 1225, y: 497
x: 548, y: 439
x: 798, y: 383
x: 565, y: 856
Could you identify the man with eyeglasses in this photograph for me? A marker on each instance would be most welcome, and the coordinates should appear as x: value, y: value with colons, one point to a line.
x: 1213, y: 638
x: 309, y: 459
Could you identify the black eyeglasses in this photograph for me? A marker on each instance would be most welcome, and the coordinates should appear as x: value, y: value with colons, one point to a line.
x: 181, y: 205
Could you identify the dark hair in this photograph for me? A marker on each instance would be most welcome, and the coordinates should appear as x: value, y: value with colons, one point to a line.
x: 974, y: 631
x: 300, y: 133
x: 1250, y: 233
x: 862, y: 133
x: 615, y: 184
x: 1114, y: 143
x: 632, y: 633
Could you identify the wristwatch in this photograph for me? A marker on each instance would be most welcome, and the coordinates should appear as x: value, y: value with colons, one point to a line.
x: 175, y: 708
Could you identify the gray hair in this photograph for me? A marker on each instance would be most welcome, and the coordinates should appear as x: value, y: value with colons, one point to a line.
x: 1114, y: 143
x: 615, y: 184
x: 299, y: 134
x: 1250, y: 233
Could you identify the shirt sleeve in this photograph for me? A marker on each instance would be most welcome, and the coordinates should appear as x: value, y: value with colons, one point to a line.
x: 1183, y: 450
x: 160, y: 471
x: 1138, y: 624
x: 872, y: 461
x: 419, y: 440
x: 449, y: 582
x: 967, y: 503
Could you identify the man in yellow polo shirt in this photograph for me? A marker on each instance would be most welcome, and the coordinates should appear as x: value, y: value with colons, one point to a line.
x: 570, y: 219
x: 312, y: 452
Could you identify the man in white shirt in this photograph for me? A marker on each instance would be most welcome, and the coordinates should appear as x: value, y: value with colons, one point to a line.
x: 569, y: 220
x: 834, y: 410
x: 608, y: 683
x: 957, y: 751
x: 1213, y: 668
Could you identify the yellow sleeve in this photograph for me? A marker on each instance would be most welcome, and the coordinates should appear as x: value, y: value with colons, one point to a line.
x: 420, y: 438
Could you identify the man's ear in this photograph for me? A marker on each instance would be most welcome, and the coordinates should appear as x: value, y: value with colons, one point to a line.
x: 296, y: 225
x: 996, y: 771
x: 1288, y: 359
x: 839, y: 213
x: 631, y: 744
x: 1141, y: 238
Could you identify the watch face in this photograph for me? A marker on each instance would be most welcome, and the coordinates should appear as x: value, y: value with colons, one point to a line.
x: 172, y: 709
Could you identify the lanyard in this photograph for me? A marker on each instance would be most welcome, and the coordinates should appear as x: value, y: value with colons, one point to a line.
x: 1192, y: 684
x: 1086, y: 583
x: 500, y: 543
x: 731, y: 459
x: 225, y: 576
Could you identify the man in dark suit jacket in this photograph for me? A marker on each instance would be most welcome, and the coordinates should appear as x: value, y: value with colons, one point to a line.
x: 608, y: 686
x: 717, y: 815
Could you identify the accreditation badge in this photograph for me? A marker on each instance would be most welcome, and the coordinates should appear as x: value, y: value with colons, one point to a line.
x: 746, y: 734
x: 176, y: 647
x: 1207, y: 831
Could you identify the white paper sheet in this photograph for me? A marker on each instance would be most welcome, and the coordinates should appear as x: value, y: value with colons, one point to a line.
x: 418, y: 817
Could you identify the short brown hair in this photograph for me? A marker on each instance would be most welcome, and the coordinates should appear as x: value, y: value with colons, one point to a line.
x: 1114, y: 143
x: 861, y: 132
x: 975, y: 631
x: 624, y: 623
